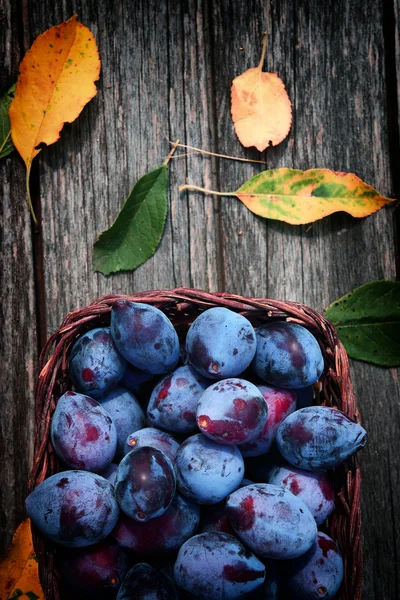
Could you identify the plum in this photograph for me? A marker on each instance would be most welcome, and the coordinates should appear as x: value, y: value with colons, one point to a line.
x: 287, y: 355
x: 316, y: 574
x: 271, y: 521
x: 315, y: 489
x: 83, y: 433
x: 144, y: 336
x: 174, y: 400
x: 95, y: 365
x: 216, y: 566
x: 73, y: 508
x: 232, y: 411
x: 207, y: 471
x: 319, y: 437
x: 220, y: 343
x: 145, y: 483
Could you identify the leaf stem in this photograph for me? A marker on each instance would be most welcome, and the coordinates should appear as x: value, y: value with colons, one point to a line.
x: 28, y: 197
x: 204, y: 190
x: 174, y: 147
x: 5, y: 142
x: 263, y: 52
x: 261, y: 162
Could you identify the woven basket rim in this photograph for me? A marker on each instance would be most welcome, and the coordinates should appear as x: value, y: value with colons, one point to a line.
x: 182, y: 305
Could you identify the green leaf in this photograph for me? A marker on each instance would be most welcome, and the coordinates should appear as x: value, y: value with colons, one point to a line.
x: 368, y: 322
x: 6, y: 145
x: 136, y: 233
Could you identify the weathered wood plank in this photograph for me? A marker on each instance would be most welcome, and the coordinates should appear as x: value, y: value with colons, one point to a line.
x: 332, y: 59
x: 166, y: 71
x: 18, y: 350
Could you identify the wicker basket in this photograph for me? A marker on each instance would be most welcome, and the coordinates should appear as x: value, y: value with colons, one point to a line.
x: 182, y: 306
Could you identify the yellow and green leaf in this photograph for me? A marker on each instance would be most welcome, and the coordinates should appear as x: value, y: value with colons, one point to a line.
x: 300, y: 197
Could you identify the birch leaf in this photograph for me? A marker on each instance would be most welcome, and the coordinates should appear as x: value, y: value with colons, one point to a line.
x: 260, y: 107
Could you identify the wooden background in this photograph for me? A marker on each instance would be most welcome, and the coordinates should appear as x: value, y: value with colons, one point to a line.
x: 167, y: 67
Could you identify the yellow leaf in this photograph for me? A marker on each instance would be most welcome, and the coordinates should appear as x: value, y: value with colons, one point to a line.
x: 56, y: 80
x: 19, y: 576
x: 261, y: 109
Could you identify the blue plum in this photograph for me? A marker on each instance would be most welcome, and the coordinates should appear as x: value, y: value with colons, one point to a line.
x: 126, y: 413
x: 149, y: 436
x: 174, y: 400
x: 220, y: 343
x: 144, y: 582
x: 83, y: 433
x: 271, y: 521
x: 280, y: 403
x: 95, y: 571
x: 216, y: 566
x: 134, y: 379
x: 95, y: 365
x: 315, y: 489
x: 145, y: 483
x: 162, y: 534
x: 144, y: 336
x: 232, y: 411
x: 73, y: 508
x: 287, y: 355
x: 319, y: 437
x: 316, y: 574
x: 207, y: 471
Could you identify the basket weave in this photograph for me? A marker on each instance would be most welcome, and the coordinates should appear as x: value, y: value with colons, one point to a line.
x: 182, y: 306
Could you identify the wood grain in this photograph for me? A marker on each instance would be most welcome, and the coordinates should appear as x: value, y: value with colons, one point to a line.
x: 18, y: 344
x: 167, y: 69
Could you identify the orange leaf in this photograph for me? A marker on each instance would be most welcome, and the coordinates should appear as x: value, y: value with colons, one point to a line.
x: 19, y: 576
x: 261, y: 109
x: 56, y: 80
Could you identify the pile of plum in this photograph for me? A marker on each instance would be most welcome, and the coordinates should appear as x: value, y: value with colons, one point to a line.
x: 151, y: 502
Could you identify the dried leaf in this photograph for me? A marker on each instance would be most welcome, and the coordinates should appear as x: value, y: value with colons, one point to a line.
x: 261, y: 109
x: 368, y: 322
x: 56, y: 80
x: 19, y: 576
x: 6, y: 145
x: 300, y: 197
